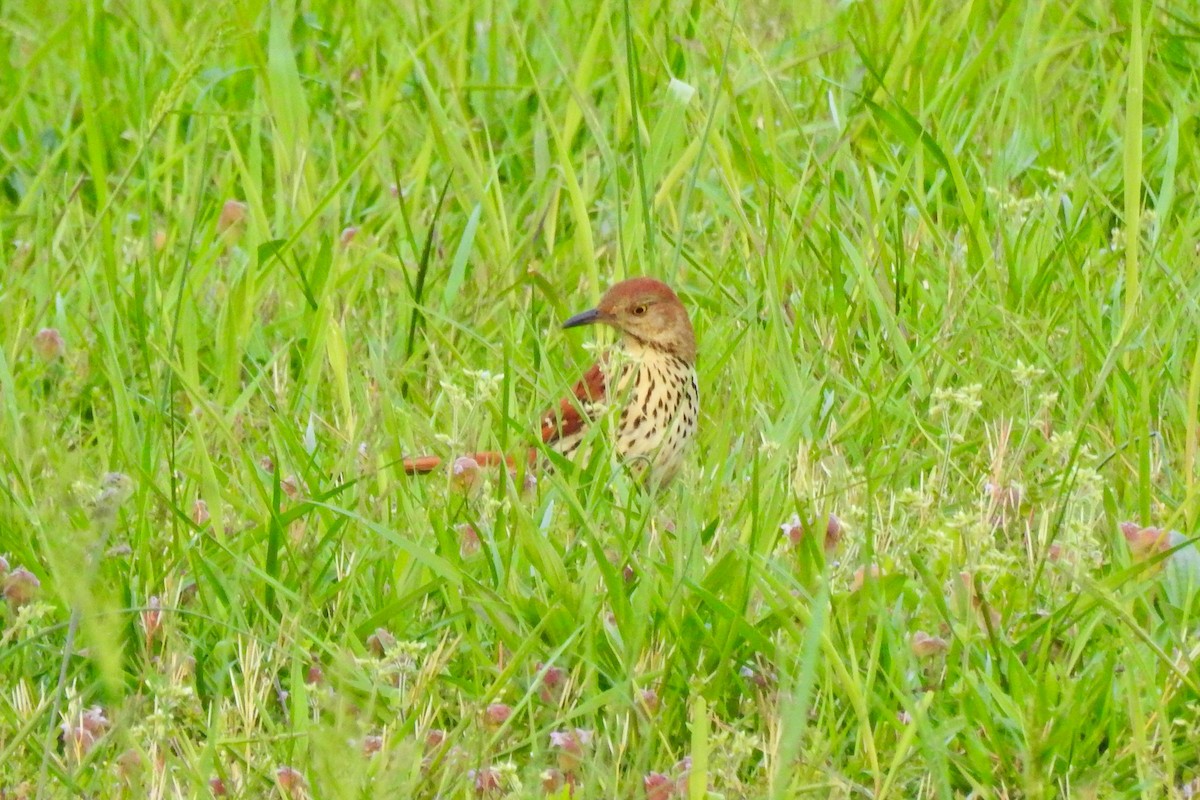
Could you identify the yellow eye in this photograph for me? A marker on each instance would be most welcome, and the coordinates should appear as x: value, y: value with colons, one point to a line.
x: 639, y: 310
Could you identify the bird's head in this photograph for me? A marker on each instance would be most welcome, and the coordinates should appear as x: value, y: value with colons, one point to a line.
x: 647, y: 313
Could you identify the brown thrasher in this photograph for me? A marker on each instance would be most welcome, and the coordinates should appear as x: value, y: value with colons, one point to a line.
x: 653, y: 376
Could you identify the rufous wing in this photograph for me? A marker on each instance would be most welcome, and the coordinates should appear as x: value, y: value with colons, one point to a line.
x: 564, y: 420
x: 569, y: 416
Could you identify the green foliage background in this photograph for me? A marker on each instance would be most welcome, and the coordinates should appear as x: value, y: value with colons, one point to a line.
x: 941, y: 259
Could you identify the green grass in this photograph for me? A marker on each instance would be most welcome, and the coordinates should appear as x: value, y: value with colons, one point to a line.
x: 942, y: 262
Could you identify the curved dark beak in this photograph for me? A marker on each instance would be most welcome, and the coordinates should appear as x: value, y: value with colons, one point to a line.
x: 583, y: 318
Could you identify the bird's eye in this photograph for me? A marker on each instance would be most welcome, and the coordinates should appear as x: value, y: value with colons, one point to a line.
x: 639, y: 310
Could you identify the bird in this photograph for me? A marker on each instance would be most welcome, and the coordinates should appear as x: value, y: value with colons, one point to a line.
x: 650, y: 375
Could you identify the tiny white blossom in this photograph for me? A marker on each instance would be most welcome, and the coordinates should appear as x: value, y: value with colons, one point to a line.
x: 681, y: 92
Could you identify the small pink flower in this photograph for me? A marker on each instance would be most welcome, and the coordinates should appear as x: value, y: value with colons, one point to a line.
x: 80, y: 735
x: 152, y: 619
x: 292, y: 486
x: 650, y: 701
x: 1145, y: 542
x: 372, y: 745
x: 553, y: 681
x: 291, y: 782
x: 796, y: 529
x: 468, y: 540
x: 861, y: 576
x: 553, y: 780
x: 200, y: 514
x: 793, y: 529
x: 233, y: 213
x: 756, y: 676
x: 49, y: 345
x: 497, y: 714
x: 923, y: 645
x: 21, y: 586
x: 833, y: 532
x: 658, y: 786
x: 348, y: 235
x: 487, y: 780
x: 464, y: 472
x: 570, y: 745
x: 381, y: 641
x: 315, y: 675
x: 434, y: 739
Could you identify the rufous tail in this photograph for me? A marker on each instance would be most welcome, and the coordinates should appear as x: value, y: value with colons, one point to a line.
x: 419, y: 465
